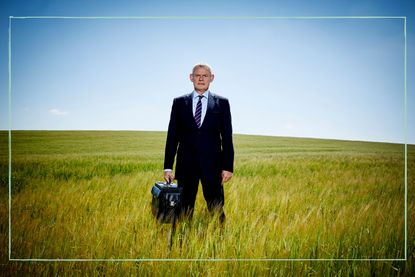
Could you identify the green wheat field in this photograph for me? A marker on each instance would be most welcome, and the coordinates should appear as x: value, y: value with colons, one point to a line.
x: 86, y: 195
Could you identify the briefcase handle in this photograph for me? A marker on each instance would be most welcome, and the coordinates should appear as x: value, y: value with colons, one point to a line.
x: 168, y: 182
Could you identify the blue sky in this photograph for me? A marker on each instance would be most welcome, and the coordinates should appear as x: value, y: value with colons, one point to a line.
x: 323, y: 78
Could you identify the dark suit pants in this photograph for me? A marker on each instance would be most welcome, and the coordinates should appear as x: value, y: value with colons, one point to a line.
x: 212, y: 192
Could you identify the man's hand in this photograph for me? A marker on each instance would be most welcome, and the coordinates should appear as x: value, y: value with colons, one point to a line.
x: 226, y: 176
x: 168, y: 176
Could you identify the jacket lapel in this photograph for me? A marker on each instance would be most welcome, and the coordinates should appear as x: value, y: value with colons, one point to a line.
x: 210, y: 107
x: 189, y: 109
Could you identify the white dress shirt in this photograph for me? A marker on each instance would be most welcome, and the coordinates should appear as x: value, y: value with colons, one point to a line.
x: 195, y: 97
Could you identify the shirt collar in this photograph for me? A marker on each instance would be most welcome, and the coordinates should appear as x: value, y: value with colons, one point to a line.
x: 205, y: 94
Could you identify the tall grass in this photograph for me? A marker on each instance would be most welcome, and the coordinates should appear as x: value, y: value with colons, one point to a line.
x: 87, y: 195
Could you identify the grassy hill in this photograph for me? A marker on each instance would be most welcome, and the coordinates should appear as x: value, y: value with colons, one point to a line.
x: 86, y: 195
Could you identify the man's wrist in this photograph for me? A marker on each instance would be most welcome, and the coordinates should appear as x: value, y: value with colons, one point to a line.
x: 168, y: 170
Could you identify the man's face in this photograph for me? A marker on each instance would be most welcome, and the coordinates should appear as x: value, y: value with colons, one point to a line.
x: 201, y: 79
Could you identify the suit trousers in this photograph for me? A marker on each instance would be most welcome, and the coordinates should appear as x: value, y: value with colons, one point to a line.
x: 212, y: 192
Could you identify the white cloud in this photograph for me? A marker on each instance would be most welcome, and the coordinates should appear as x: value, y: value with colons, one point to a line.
x: 57, y: 112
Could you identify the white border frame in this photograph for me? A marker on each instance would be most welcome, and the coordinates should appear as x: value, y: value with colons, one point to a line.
x: 210, y: 18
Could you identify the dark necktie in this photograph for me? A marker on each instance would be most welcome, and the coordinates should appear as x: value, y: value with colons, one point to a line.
x: 198, y: 112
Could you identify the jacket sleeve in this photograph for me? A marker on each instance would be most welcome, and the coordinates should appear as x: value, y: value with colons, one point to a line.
x: 226, y: 135
x: 172, y: 140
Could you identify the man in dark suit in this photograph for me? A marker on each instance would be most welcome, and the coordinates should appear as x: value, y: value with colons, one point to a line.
x: 200, y: 132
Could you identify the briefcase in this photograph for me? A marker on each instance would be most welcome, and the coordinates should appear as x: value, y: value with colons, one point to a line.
x: 166, y: 201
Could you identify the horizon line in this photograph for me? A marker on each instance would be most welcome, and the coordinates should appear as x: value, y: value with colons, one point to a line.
x: 244, y: 134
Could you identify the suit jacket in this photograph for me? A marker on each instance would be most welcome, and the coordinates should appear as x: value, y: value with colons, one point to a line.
x: 201, y: 152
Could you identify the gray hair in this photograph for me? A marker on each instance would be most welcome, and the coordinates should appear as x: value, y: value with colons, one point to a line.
x: 202, y: 65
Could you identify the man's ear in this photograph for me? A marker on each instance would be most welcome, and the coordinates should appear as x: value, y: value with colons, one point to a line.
x: 212, y: 76
x: 191, y: 77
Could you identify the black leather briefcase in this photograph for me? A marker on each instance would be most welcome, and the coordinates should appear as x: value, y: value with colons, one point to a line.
x: 166, y: 201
